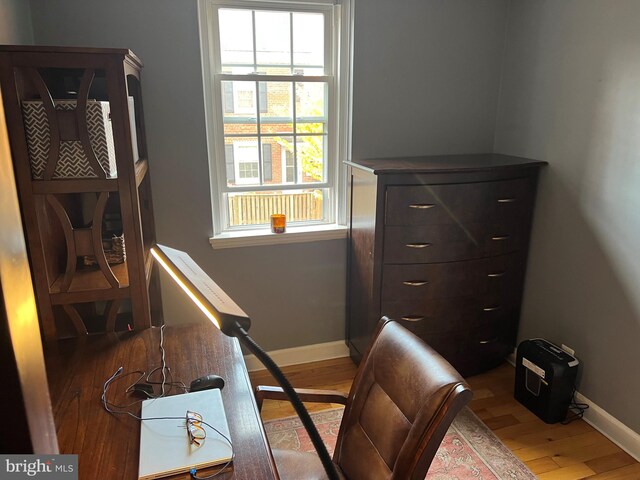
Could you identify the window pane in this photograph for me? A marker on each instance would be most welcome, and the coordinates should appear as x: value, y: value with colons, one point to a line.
x: 242, y: 154
x: 311, y: 100
x: 278, y: 147
x: 256, y: 208
x: 236, y: 36
x: 273, y: 38
x: 239, y: 107
x: 289, y: 167
x: 247, y: 170
x: 310, y: 127
x: 229, y: 164
x: 274, y: 70
x: 267, y: 161
x: 310, y: 154
x: 244, y: 98
x: 309, y: 71
x: 284, y: 167
x: 235, y: 70
x: 308, y: 39
x: 276, y: 107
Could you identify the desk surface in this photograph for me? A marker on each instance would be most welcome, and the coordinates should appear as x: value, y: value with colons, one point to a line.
x: 108, y: 445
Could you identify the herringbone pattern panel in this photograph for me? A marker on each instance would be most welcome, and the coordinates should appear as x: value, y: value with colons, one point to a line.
x: 72, y: 162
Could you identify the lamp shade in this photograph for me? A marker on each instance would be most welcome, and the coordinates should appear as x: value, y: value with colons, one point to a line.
x: 217, y: 306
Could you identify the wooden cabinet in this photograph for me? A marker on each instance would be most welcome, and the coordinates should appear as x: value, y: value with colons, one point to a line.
x: 440, y: 245
x: 76, y: 130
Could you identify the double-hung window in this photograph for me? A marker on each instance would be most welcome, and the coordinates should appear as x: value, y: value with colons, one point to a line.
x: 276, y: 94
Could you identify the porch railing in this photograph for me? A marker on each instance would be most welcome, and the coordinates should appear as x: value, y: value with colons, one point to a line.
x: 257, y: 208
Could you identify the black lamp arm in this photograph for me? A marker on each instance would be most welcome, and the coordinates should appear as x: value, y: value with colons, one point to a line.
x: 266, y: 360
x: 225, y: 314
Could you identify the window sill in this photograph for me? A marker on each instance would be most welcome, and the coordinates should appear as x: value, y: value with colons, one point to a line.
x: 252, y: 238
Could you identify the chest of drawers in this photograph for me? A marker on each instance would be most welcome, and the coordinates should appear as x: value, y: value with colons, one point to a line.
x: 440, y: 245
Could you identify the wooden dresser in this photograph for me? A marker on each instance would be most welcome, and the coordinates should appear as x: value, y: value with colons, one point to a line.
x: 440, y: 244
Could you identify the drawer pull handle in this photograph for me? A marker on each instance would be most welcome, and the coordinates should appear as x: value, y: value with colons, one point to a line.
x: 507, y: 200
x: 491, y: 340
x: 495, y: 274
x: 412, y: 318
x: 422, y: 206
x: 418, y: 245
x: 491, y: 309
x: 415, y: 283
x: 500, y: 237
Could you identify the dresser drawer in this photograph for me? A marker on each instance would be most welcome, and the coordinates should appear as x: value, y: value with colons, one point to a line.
x: 453, y: 242
x: 453, y: 314
x: 422, y: 282
x: 456, y: 203
x: 474, y: 350
x: 485, y: 347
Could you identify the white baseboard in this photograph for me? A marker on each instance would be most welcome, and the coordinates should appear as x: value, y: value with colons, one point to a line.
x: 298, y: 355
x: 607, y: 424
x: 611, y: 427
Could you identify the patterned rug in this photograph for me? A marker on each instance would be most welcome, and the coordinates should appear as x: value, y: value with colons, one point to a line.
x: 469, y: 449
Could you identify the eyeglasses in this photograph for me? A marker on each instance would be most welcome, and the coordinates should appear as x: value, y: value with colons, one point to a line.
x: 195, y: 432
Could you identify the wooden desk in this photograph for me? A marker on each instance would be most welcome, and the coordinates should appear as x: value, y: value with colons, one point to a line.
x: 108, y: 445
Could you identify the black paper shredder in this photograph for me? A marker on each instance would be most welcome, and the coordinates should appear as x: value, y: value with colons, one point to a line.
x: 545, y: 378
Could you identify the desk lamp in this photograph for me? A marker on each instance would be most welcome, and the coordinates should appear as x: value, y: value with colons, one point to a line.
x: 227, y: 316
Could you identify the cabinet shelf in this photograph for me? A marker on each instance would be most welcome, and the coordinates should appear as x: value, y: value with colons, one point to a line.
x: 75, y: 185
x: 72, y: 112
x: 90, y: 284
x: 87, y: 185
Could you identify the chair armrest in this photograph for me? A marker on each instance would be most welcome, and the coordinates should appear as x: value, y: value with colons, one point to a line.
x: 306, y: 395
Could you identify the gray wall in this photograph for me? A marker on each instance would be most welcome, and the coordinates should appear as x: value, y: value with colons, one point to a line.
x: 15, y: 22
x: 570, y: 95
x: 295, y: 294
x: 426, y: 76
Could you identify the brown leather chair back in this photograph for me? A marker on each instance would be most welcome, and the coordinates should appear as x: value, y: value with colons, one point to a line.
x: 401, y: 404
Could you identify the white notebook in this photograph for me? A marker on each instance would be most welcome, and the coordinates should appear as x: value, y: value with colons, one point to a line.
x: 164, y: 444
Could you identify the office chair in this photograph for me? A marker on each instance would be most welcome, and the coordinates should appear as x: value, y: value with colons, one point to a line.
x: 401, y: 403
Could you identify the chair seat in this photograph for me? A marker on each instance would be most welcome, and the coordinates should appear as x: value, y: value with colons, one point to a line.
x: 294, y: 465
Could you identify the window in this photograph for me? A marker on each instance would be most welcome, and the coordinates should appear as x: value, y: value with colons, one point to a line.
x: 276, y: 87
x: 288, y: 166
x: 246, y: 163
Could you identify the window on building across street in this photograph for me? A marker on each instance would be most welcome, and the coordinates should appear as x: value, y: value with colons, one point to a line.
x: 277, y: 83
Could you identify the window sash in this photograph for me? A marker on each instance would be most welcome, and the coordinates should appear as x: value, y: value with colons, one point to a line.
x: 329, y: 134
x: 302, y: 6
x: 258, y: 77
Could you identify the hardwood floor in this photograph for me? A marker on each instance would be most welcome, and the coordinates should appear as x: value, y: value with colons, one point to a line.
x: 552, y: 452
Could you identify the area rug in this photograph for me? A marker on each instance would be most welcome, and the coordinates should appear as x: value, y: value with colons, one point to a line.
x: 469, y: 451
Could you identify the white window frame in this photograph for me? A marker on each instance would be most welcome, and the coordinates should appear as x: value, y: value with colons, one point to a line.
x: 239, y: 158
x: 237, y: 108
x: 339, y: 114
x: 285, y: 167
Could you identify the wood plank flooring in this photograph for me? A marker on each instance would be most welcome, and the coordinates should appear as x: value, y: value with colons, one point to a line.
x: 552, y: 452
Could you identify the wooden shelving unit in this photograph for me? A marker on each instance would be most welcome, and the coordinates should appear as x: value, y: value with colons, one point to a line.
x: 81, y: 179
